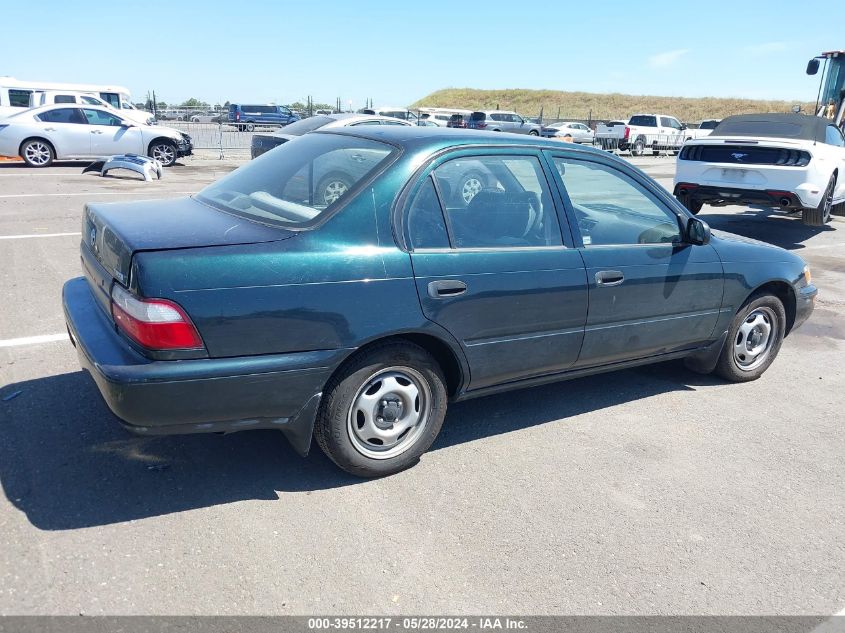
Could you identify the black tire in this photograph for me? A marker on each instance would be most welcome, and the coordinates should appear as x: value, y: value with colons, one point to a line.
x: 728, y: 366
x: 838, y: 209
x: 250, y: 127
x: 638, y: 148
x: 37, y: 152
x: 331, y: 187
x: 692, y: 205
x: 820, y: 215
x: 533, y: 133
x: 334, y: 430
x: 164, y: 152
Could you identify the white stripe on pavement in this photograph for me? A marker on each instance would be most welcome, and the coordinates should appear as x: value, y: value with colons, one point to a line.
x: 33, y: 340
x: 85, y: 193
x: 25, y: 237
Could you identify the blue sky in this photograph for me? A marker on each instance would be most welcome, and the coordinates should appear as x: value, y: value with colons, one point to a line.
x: 397, y: 52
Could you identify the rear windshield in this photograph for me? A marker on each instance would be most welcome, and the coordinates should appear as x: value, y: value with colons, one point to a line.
x: 310, y: 124
x: 709, y: 125
x: 641, y: 119
x: 771, y: 129
x: 300, y: 181
x: 477, y: 116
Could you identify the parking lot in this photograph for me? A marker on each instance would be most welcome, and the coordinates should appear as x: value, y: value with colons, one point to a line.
x: 648, y: 491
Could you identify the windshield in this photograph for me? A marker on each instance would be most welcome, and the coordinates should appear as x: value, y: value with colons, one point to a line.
x: 307, y: 125
x: 709, y: 125
x: 298, y: 182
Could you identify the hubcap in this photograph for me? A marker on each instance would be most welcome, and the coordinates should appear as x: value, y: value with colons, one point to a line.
x: 164, y: 154
x: 470, y: 189
x: 37, y: 153
x: 754, y: 339
x: 334, y: 190
x: 389, y: 413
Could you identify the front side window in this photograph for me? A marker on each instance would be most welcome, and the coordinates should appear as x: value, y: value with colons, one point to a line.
x: 833, y: 136
x: 100, y: 117
x: 63, y: 115
x: 497, y: 202
x: 299, y: 181
x: 614, y: 209
x: 91, y: 100
x: 19, y: 98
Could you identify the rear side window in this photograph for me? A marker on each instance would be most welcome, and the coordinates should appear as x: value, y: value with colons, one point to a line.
x: 477, y: 116
x: 426, y: 227
x: 63, y: 115
x: 64, y: 99
x: 19, y: 98
x: 98, y: 117
x: 497, y: 202
x: 233, y: 107
x: 111, y: 98
x: 643, y: 120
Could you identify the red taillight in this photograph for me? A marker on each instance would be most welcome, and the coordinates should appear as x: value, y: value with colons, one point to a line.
x: 686, y: 186
x: 480, y: 125
x: 156, y: 324
x: 627, y: 132
x: 237, y: 116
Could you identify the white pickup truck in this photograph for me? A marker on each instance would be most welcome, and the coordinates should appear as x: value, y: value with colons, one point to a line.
x: 657, y: 132
x: 705, y: 128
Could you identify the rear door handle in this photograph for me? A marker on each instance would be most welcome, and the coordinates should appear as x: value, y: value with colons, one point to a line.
x: 445, y: 288
x: 96, y: 131
x: 609, y: 277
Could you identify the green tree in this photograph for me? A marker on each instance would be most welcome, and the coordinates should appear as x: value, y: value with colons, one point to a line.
x: 194, y: 103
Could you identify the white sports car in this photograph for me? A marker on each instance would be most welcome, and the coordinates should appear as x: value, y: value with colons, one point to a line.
x: 789, y: 161
x: 71, y: 132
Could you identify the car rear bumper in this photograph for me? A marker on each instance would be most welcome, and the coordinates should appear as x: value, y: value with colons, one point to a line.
x: 719, y: 196
x: 273, y: 391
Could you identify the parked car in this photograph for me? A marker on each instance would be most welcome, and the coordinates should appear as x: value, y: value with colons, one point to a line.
x: 579, y: 132
x: 247, y: 117
x: 705, y: 128
x: 259, y: 304
x: 263, y: 142
x: 207, y: 117
x: 66, y: 132
x: 458, y: 121
x: 171, y: 114
x: 502, y: 121
x: 62, y: 97
x: 788, y: 161
x: 657, y: 132
x: 392, y: 112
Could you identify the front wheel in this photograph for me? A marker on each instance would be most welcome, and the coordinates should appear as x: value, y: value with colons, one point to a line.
x: 820, y: 215
x: 382, y: 411
x: 164, y: 152
x: 754, y: 339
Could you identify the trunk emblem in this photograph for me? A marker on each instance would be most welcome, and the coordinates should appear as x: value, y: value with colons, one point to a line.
x: 738, y: 156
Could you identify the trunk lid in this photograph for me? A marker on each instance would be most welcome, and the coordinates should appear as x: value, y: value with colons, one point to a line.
x: 112, y: 233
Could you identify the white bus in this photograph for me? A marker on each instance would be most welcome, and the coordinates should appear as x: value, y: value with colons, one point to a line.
x: 15, y: 94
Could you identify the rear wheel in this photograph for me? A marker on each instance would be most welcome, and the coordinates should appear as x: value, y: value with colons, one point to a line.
x: 820, y: 215
x: 250, y: 127
x: 638, y: 148
x: 533, y: 133
x: 692, y: 205
x: 383, y: 410
x: 37, y: 152
x: 332, y: 187
x: 754, y: 339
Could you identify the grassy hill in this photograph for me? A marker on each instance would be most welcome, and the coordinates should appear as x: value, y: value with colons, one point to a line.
x: 577, y: 105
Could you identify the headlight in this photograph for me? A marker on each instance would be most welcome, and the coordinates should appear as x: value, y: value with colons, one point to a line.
x: 808, y: 277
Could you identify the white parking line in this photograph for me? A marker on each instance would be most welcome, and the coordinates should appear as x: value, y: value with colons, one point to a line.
x: 834, y: 624
x: 25, y: 237
x: 33, y: 340
x: 84, y: 193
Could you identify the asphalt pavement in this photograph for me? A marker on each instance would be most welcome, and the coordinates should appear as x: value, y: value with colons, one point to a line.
x: 647, y: 491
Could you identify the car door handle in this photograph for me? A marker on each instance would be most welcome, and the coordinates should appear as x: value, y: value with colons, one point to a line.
x: 52, y: 129
x: 609, y: 277
x: 96, y: 131
x: 445, y: 288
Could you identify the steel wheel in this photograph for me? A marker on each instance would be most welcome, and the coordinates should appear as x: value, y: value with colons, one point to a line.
x: 165, y: 153
x: 471, y: 187
x: 38, y: 153
x: 389, y: 413
x: 333, y: 190
x: 754, y: 338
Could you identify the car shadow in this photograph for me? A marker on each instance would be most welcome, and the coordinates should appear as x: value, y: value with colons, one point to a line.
x: 765, y: 224
x: 66, y: 463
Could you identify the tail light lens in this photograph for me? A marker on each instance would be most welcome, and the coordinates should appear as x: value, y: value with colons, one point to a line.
x: 627, y: 132
x: 156, y: 324
x: 237, y: 116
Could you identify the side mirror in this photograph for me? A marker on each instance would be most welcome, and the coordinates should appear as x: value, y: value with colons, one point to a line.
x: 698, y: 232
x: 813, y: 66
x: 127, y: 124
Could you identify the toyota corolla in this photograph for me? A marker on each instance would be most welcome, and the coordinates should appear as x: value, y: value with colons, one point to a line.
x: 260, y: 304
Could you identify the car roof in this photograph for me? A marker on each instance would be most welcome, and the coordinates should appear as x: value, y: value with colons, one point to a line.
x: 774, y: 125
x: 416, y: 138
